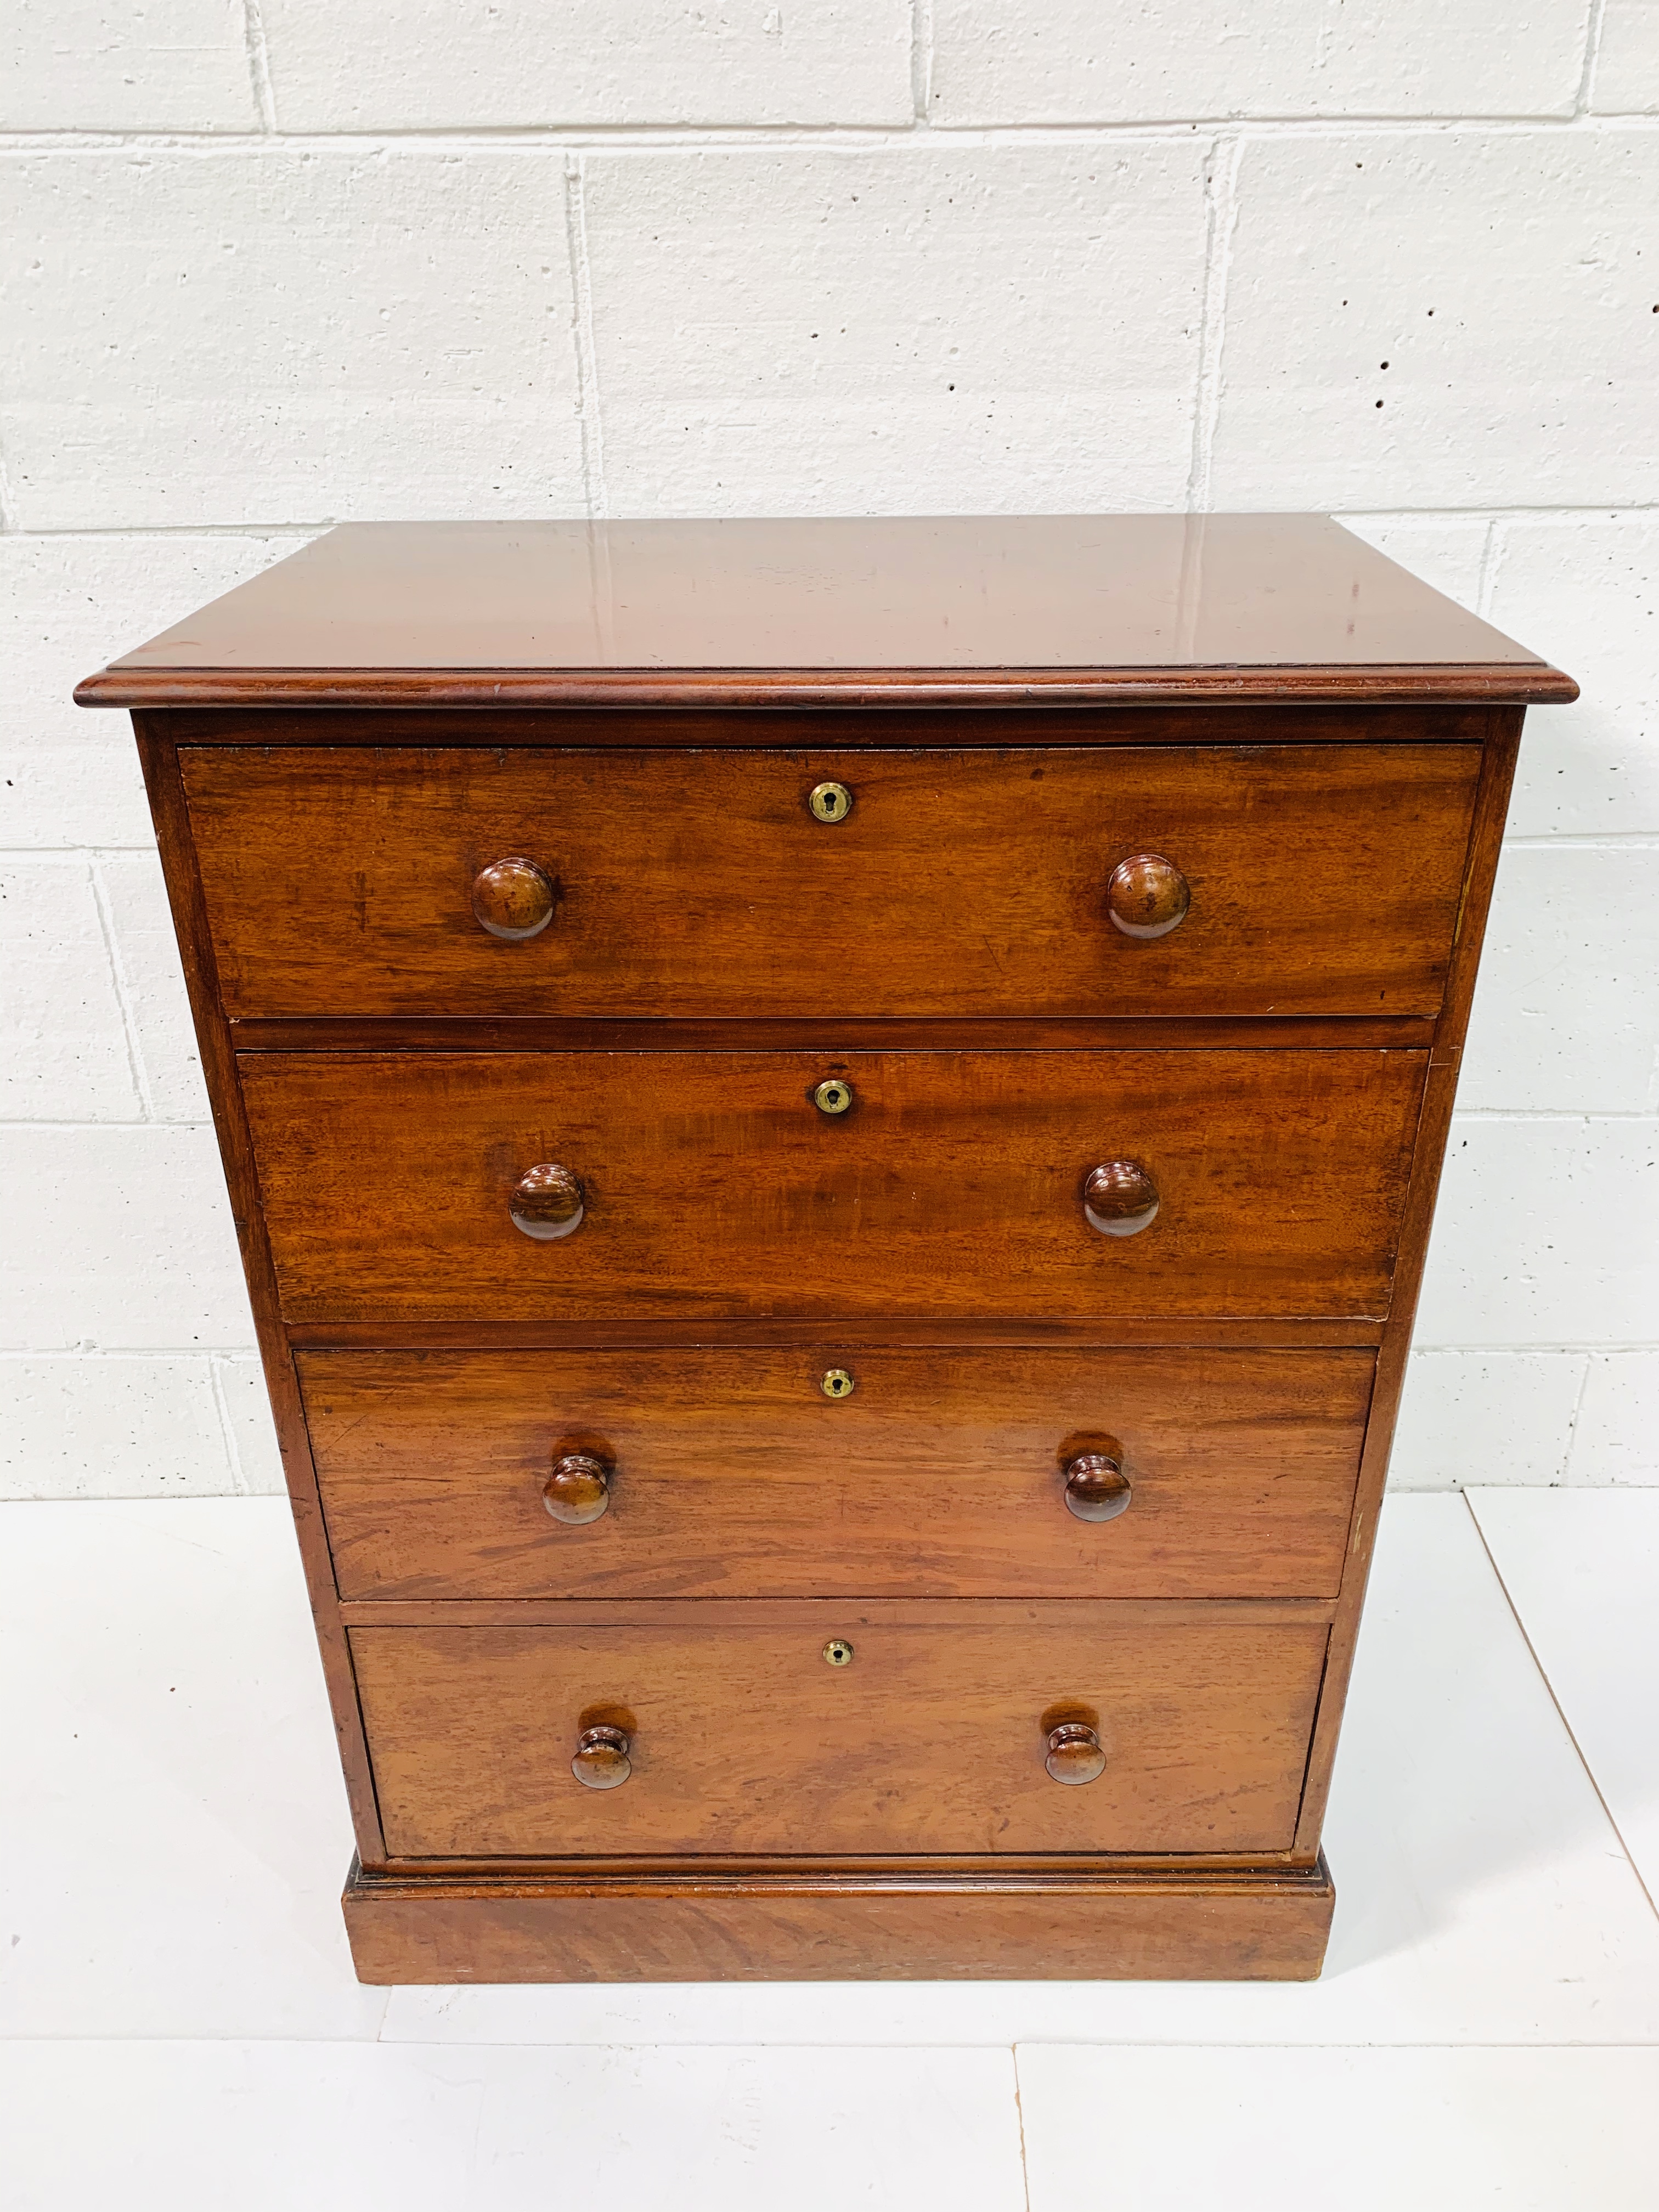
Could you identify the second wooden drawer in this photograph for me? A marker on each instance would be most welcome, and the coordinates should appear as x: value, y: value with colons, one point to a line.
x: 936, y: 1184
x: 937, y: 1474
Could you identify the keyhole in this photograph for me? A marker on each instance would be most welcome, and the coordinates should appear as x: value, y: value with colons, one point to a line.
x: 837, y: 1383
x: 837, y: 1653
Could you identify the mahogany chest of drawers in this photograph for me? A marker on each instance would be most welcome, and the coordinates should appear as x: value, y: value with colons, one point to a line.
x: 833, y: 1128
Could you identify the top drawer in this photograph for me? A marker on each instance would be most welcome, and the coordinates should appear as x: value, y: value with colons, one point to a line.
x: 1324, y: 880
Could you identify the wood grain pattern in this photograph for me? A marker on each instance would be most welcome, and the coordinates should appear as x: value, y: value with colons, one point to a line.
x: 702, y: 1925
x: 714, y: 1187
x: 698, y: 885
x: 933, y: 1738
x: 943, y: 1474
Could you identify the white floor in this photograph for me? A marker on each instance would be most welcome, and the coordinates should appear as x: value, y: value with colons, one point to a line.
x: 184, y: 2031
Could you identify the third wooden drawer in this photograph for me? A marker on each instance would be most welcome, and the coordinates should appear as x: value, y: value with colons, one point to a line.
x: 739, y: 1474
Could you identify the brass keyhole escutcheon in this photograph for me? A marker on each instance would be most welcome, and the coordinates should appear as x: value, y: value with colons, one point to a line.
x: 837, y: 1383
x: 837, y: 1653
x: 830, y: 802
x: 833, y: 1096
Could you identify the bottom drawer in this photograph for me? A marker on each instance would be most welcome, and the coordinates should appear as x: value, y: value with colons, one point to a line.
x: 933, y: 1737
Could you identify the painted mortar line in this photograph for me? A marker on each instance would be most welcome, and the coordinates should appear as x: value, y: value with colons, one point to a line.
x: 1492, y: 560
x: 1220, y: 220
x: 1487, y: 577
x: 1544, y: 1676
x: 1633, y: 841
x: 259, y: 66
x: 140, y: 530
x: 583, y: 343
x: 1572, y: 1420
x: 1553, y: 1347
x: 921, y: 60
x: 1592, y: 24
x: 136, y: 1066
x: 1597, y: 511
x: 117, y: 1351
x: 227, y: 1433
x: 26, y: 1122
x: 651, y: 136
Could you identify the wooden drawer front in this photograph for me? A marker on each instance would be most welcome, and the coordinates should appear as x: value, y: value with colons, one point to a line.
x: 732, y: 1475
x: 1325, y: 880
x: 714, y: 1187
x: 742, y: 1738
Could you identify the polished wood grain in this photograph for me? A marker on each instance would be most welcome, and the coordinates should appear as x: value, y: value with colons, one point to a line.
x: 714, y: 1188
x: 1268, y: 602
x: 699, y: 886
x: 933, y: 1739
x: 942, y: 1474
x: 1060, y: 1926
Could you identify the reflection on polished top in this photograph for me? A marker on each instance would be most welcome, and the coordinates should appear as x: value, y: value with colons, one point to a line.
x: 1078, y: 606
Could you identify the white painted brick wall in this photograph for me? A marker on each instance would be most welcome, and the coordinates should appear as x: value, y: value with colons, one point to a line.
x: 266, y: 265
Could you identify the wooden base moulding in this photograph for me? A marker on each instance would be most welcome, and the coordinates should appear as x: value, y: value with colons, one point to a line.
x: 702, y: 1926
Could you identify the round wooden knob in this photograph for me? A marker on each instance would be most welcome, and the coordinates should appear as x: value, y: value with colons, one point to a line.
x: 514, y: 898
x: 547, y: 1202
x: 578, y: 1488
x: 1147, y: 896
x: 1097, y: 1488
x: 1120, y: 1198
x: 601, y: 1761
x: 1074, y: 1755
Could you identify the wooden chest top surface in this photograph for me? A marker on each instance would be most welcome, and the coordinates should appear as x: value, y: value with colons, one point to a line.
x: 1075, y: 606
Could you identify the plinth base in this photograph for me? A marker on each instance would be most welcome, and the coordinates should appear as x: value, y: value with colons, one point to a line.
x: 696, y: 1926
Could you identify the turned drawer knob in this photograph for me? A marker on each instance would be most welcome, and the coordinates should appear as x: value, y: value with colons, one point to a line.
x: 578, y: 1488
x: 513, y: 898
x: 1120, y: 1198
x: 602, y: 1760
x: 1147, y: 896
x: 1074, y: 1755
x: 547, y: 1202
x: 1097, y: 1488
